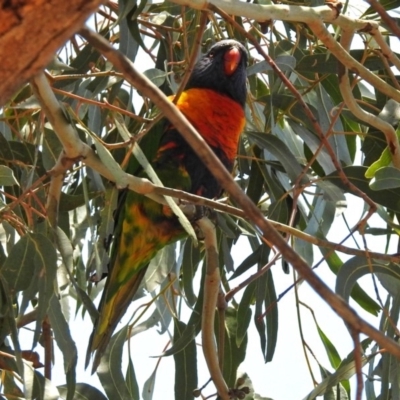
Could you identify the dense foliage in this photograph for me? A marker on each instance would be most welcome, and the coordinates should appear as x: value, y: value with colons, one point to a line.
x: 51, y: 257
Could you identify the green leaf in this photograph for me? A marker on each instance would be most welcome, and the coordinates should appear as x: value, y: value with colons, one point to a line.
x: 23, y: 152
x: 133, y: 25
x: 384, y: 160
x: 5, y: 149
x: 131, y: 380
x: 373, y: 146
x: 18, y: 267
x: 8, y: 324
x: 386, y: 4
x: 52, y: 148
x: 65, y: 343
x: 38, y: 387
x: 109, y: 161
x: 337, y: 391
x: 244, y: 312
x: 105, y: 230
x: 66, y: 251
x: 181, y: 341
x: 128, y: 45
x: 385, y: 178
x: 279, y: 150
x: 110, y: 372
x: 345, y: 372
x: 389, y: 198
x: 255, y: 186
x: 357, y: 267
x: 284, y: 62
x: 252, y: 259
x: 157, y: 76
x: 261, y: 290
x: 332, y: 353
x: 390, y: 284
x: 358, y: 294
x: 148, y: 387
x: 190, y: 263
x: 185, y: 364
x: 45, y: 262
x: 233, y: 354
x: 271, y: 317
x: 7, y: 177
x: 328, y: 64
x: 313, y: 142
x: 83, y: 391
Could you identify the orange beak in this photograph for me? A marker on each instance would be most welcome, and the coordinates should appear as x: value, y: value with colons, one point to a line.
x: 231, y: 60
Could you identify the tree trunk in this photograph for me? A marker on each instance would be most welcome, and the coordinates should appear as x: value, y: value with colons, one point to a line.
x: 31, y: 31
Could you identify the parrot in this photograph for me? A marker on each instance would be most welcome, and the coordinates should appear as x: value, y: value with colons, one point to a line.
x: 214, y: 102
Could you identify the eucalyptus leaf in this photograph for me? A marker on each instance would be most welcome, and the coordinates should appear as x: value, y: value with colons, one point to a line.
x: 65, y: 343
x: 185, y: 364
x: 83, y: 391
x: 345, y: 372
x: 157, y: 76
x: 280, y: 151
x: 357, y: 267
x: 110, y: 368
x: 7, y: 177
x: 385, y: 178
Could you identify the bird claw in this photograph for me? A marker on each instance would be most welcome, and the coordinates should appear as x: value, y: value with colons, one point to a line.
x: 204, y: 212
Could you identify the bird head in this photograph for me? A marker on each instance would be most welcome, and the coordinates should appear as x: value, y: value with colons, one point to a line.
x: 223, y: 69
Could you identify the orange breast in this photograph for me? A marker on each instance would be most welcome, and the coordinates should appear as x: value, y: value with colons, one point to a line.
x: 218, y: 119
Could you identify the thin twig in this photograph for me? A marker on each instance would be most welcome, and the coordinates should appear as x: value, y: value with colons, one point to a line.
x: 358, y: 363
x: 221, y: 307
x: 251, y: 278
x: 48, y: 348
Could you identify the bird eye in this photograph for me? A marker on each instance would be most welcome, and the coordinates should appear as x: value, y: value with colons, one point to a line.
x: 211, y: 54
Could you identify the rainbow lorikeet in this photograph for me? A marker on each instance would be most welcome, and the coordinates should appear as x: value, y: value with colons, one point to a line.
x: 213, y: 101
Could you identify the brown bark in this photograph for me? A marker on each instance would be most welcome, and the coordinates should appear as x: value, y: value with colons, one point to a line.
x: 31, y: 31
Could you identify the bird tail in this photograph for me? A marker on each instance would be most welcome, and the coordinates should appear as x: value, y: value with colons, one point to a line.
x: 113, y: 306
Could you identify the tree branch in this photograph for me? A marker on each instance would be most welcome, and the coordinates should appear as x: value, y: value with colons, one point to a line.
x: 76, y: 150
x: 211, y: 289
x: 25, y: 46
